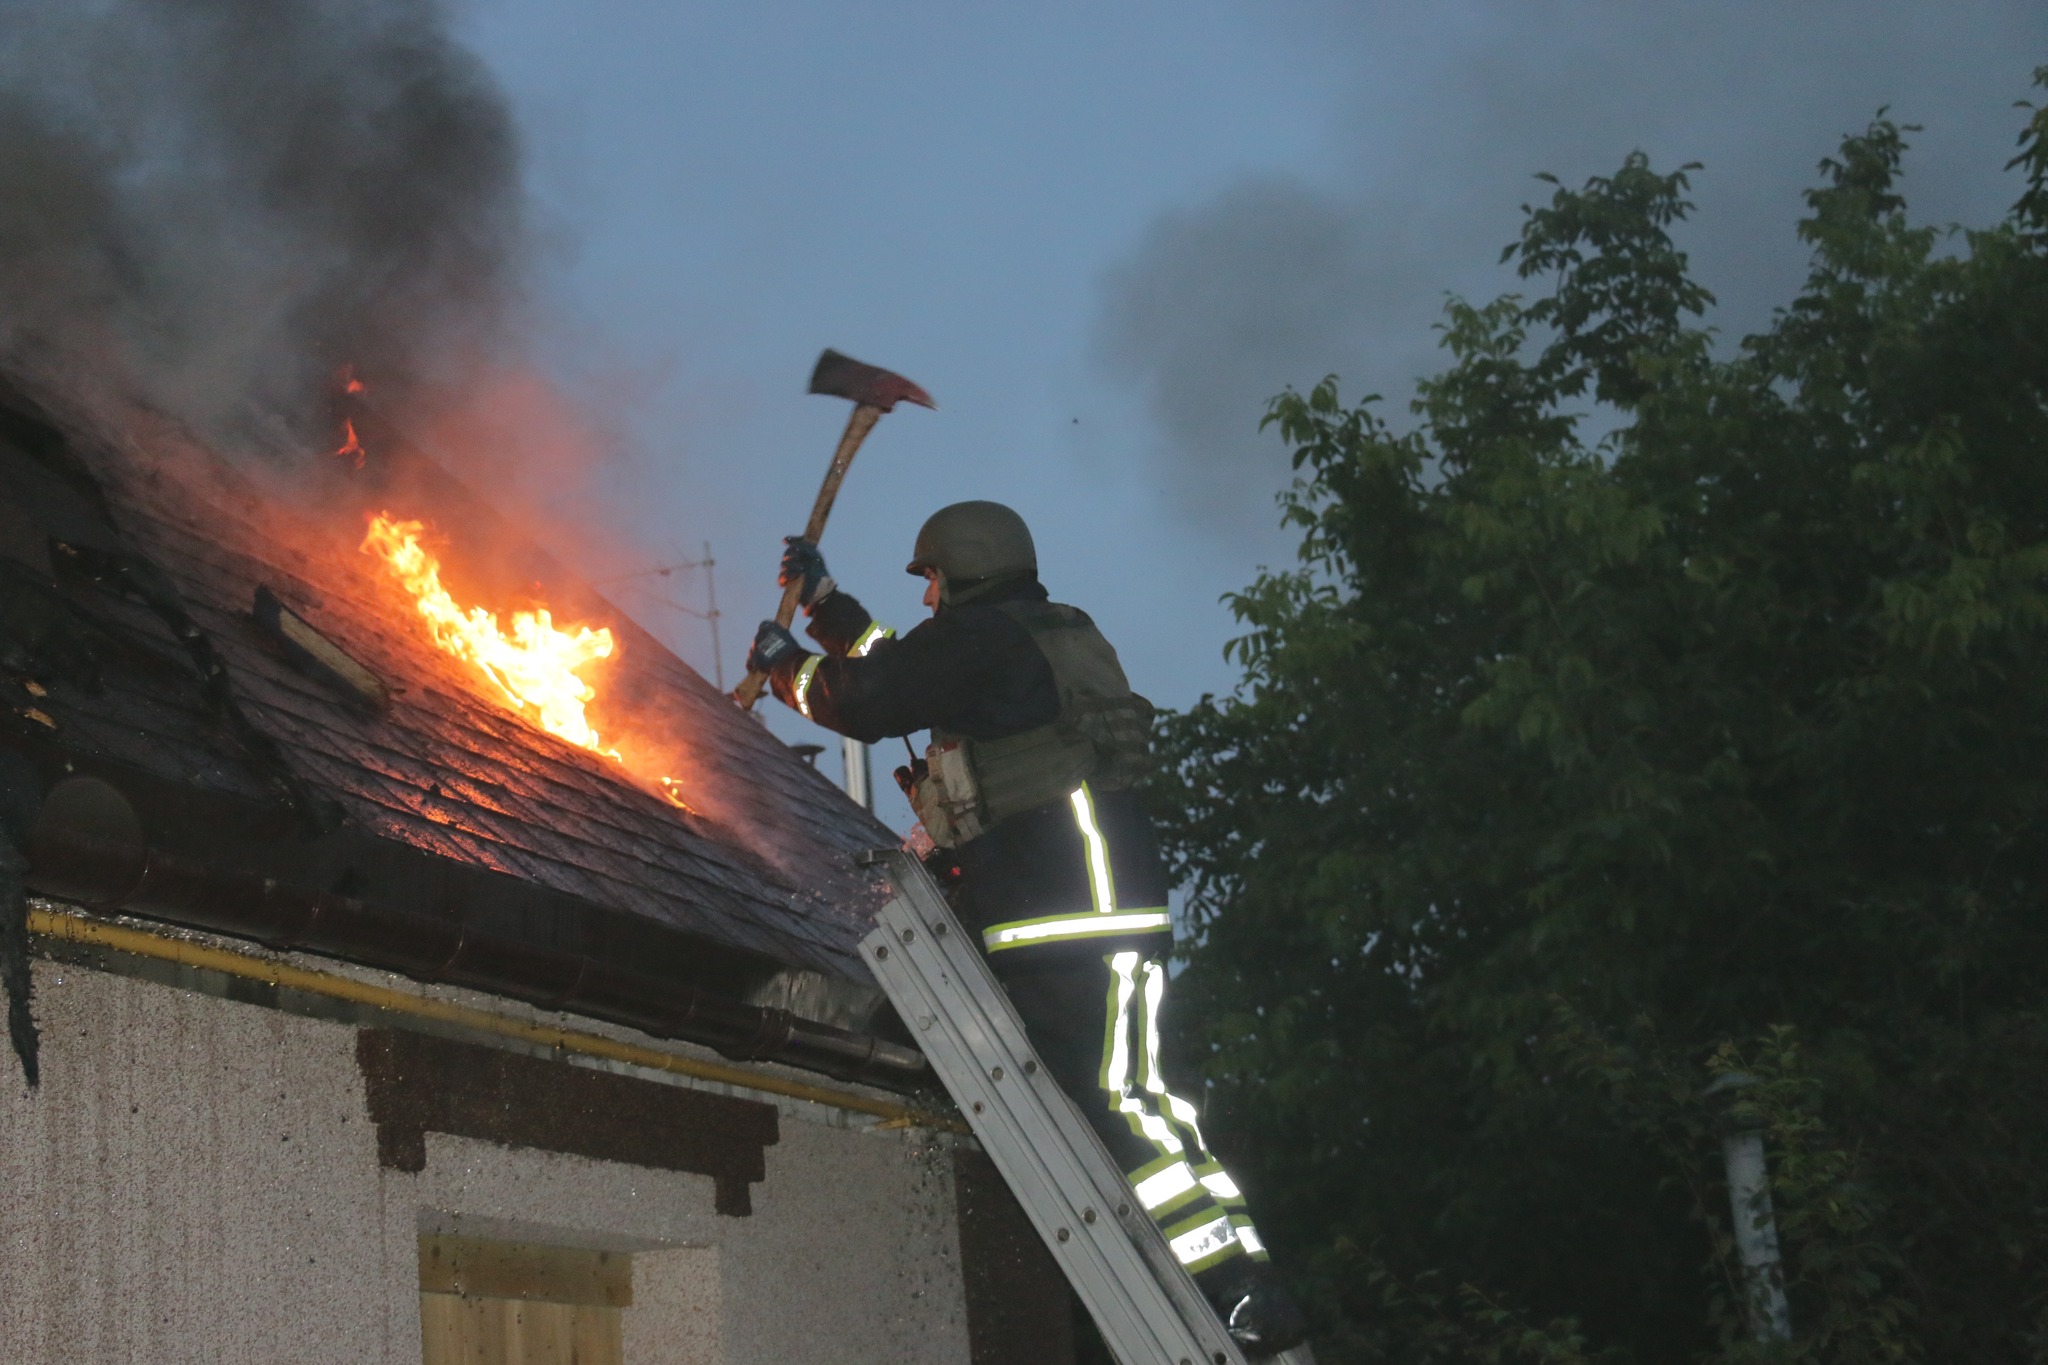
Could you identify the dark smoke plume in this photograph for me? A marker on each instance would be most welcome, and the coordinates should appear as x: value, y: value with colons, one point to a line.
x: 222, y: 202
x: 1273, y: 283
x: 1443, y: 113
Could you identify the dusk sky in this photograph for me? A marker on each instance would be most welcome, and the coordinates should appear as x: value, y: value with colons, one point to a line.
x: 1103, y: 235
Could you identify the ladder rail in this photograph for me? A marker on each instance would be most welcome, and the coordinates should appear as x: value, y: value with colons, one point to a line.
x: 1143, y: 1301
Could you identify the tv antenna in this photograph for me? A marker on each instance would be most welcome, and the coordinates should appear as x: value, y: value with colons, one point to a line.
x: 708, y: 614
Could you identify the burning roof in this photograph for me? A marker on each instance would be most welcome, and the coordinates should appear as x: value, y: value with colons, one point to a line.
x: 423, y: 790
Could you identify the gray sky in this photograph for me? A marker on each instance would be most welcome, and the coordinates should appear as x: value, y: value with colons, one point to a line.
x: 1102, y: 236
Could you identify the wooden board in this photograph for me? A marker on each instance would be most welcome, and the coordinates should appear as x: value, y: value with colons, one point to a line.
x: 526, y: 1271
x: 458, y: 1330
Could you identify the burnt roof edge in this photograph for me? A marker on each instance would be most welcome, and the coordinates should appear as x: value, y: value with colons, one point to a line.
x: 102, y: 837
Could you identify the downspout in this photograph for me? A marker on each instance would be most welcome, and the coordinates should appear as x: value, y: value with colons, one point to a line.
x: 15, y: 976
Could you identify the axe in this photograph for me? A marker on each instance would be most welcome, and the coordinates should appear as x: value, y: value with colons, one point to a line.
x: 874, y: 391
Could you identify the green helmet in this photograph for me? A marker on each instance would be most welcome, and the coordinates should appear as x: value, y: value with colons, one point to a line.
x: 972, y: 542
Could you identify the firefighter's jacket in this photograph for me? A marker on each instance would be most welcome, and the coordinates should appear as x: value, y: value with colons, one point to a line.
x: 1060, y: 851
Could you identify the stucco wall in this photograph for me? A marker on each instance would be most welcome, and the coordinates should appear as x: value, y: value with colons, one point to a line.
x: 197, y: 1180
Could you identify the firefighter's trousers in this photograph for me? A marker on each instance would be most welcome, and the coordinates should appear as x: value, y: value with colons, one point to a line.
x: 1095, y: 1024
x: 1070, y: 901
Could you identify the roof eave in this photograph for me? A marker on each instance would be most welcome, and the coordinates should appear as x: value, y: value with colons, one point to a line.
x: 562, y: 954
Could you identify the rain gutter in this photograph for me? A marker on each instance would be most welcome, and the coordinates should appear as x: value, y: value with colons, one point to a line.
x: 114, y: 875
x: 95, y: 933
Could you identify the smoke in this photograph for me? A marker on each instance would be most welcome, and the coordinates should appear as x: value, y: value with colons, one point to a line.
x: 1272, y: 283
x: 1445, y: 112
x: 223, y: 202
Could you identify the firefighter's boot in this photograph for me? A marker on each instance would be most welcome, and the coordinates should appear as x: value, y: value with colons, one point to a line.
x: 1261, y: 1315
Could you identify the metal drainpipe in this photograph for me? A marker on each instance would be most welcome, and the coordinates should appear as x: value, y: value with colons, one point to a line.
x: 860, y: 773
x: 1749, y: 1205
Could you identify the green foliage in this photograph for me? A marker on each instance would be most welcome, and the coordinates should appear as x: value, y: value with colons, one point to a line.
x: 1827, y: 1216
x: 1421, y: 1322
x: 1643, y: 710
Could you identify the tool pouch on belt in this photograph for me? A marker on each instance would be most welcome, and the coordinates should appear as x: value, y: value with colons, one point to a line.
x: 945, y: 796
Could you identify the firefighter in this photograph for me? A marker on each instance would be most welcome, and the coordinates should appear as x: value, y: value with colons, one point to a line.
x: 1026, y: 791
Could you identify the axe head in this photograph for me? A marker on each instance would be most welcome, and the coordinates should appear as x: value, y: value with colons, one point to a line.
x: 844, y: 377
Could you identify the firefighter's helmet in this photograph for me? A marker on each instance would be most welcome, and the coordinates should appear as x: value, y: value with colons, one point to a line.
x: 970, y: 543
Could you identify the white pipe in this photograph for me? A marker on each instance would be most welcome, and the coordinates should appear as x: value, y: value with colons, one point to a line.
x: 860, y: 784
x: 1756, y: 1235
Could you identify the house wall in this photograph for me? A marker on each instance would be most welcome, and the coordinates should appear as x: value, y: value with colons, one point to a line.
x: 197, y: 1180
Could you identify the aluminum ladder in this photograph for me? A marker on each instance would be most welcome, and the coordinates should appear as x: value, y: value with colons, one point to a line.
x: 1144, y: 1304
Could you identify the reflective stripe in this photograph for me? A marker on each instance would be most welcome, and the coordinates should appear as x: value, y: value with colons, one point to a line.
x: 1190, y: 1201
x: 1148, y: 1125
x: 1100, y: 884
x: 1155, y: 1190
x: 1183, y: 1114
x: 1150, y: 1168
x: 1056, y: 928
x: 1186, y: 1118
x: 1116, y: 1059
x: 1208, y: 1241
x: 875, y: 631
x: 1107, y: 920
x: 802, y: 688
x: 1167, y: 1183
x: 1116, y: 1051
x: 1155, y: 992
x: 1167, y: 1186
x: 1217, y: 1182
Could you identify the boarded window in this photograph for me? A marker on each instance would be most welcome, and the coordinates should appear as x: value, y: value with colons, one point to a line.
x: 513, y: 1303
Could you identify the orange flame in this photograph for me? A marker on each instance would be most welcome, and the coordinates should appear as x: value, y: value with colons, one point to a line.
x: 350, y: 445
x: 534, y: 666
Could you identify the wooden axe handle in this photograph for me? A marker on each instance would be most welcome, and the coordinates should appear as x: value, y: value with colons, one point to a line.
x: 863, y: 420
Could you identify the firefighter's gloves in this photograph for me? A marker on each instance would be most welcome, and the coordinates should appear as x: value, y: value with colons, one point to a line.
x: 908, y: 775
x: 773, y: 645
x: 804, y: 565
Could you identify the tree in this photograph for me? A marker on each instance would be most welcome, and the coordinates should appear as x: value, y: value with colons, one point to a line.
x: 1647, y: 708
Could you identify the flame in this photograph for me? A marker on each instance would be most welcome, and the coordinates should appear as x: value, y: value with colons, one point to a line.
x: 350, y: 445
x: 535, y: 666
